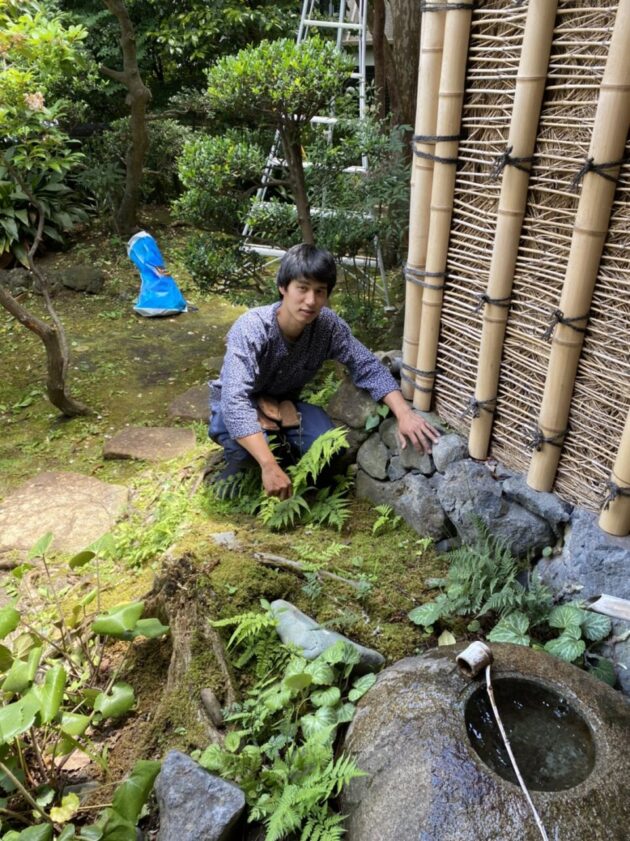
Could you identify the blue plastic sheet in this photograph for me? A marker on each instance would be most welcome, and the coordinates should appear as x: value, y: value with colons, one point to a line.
x: 159, y: 294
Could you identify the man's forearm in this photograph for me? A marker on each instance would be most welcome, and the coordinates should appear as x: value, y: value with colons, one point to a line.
x: 258, y: 448
x: 396, y: 403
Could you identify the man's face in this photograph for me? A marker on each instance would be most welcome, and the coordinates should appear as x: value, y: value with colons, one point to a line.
x: 303, y: 299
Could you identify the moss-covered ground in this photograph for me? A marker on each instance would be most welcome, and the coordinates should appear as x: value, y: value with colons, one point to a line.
x: 128, y: 369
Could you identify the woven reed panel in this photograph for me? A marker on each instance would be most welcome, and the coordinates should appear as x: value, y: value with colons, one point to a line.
x: 602, y: 393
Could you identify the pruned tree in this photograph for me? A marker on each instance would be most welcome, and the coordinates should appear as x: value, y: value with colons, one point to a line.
x: 138, y: 98
x: 282, y: 85
x: 37, y: 50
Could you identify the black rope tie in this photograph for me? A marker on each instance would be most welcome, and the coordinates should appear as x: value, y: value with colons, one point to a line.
x: 476, y: 407
x: 436, y: 138
x: 507, y: 159
x: 419, y: 373
x: 444, y: 7
x: 539, y: 439
x: 415, y: 275
x: 589, y: 165
x: 613, y: 490
x: 431, y: 157
x: 483, y: 298
x: 558, y: 317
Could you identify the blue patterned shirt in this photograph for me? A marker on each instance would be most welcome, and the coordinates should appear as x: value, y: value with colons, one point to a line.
x: 259, y: 360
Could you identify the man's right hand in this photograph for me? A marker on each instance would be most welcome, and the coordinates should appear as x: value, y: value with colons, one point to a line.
x: 275, y: 481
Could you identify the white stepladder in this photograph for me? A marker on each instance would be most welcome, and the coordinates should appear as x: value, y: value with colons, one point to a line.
x: 349, y: 20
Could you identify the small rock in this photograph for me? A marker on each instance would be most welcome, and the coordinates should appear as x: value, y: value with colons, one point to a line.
x: 226, y: 539
x: 212, y: 707
x: 88, y: 279
x: 194, y: 804
x: 546, y: 505
x: 193, y: 404
x: 387, y: 431
x: 395, y: 469
x: 299, y: 629
x: 412, y: 497
x: 413, y: 459
x: 449, y: 448
x: 351, y: 406
x: 373, y: 456
x: 149, y: 443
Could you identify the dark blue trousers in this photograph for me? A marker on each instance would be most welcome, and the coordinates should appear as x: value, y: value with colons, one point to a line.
x: 313, y: 422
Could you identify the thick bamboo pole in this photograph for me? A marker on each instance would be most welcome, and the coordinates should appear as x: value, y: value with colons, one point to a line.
x: 615, y: 516
x: 610, y: 132
x: 515, y: 164
x: 450, y: 102
x: 429, y: 67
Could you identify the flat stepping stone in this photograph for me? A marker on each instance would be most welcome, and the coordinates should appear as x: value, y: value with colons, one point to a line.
x: 193, y: 404
x: 77, y: 509
x: 149, y: 443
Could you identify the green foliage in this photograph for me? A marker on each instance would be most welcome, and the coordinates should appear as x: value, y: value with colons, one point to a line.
x: 319, y: 391
x: 153, y: 527
x: 55, y: 694
x: 218, y: 263
x: 282, y: 750
x: 328, y: 507
x: 279, y: 83
x: 37, y: 51
x: 219, y: 174
x: 482, y: 584
x: 385, y: 521
x: 374, y: 420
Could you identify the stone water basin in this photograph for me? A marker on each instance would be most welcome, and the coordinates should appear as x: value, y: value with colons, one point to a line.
x: 438, y: 771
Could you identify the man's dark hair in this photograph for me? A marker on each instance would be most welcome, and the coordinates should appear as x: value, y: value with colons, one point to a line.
x: 309, y: 262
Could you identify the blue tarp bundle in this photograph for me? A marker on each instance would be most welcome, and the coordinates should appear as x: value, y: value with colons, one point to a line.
x: 159, y: 294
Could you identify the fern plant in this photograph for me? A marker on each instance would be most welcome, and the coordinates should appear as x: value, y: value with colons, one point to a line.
x: 325, y: 506
x: 281, y: 752
x: 482, y: 584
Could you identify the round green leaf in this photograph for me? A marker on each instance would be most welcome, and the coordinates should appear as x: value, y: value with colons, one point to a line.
x: 119, y: 620
x: 595, y: 626
x: 321, y: 672
x: 512, y: 628
x: 298, y: 681
x: 81, y: 559
x: 446, y: 638
x: 74, y: 724
x: 604, y: 670
x: 341, y: 652
x: 9, y: 620
x: 51, y: 693
x: 566, y: 648
x: 361, y: 686
x: 69, y: 806
x: 565, y: 615
x: 150, y: 628
x: 326, y: 697
x: 133, y: 793
x: 425, y: 614
x: 40, y: 548
x: 116, y: 703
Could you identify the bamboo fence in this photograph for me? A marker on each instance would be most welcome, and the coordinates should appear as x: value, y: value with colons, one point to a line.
x: 600, y: 399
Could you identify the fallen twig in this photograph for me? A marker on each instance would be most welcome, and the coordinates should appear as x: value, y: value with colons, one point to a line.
x: 300, y: 569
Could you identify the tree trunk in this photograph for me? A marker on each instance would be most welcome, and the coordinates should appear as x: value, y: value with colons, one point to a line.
x: 138, y: 97
x: 293, y: 155
x: 396, y: 63
x: 405, y: 54
x: 55, y: 343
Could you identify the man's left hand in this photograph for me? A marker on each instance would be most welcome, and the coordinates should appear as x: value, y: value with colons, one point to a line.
x: 413, y: 428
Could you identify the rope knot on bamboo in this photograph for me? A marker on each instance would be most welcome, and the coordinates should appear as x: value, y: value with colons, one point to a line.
x: 613, y: 491
x: 558, y: 317
x: 475, y: 407
x: 483, y: 298
x: 507, y: 159
x: 538, y: 439
x: 589, y: 165
x: 414, y: 275
x: 428, y: 374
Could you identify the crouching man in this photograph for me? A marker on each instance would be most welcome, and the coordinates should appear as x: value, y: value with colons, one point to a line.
x: 273, y: 352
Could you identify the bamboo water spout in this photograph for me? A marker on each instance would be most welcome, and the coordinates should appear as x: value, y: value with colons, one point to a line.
x: 615, y: 516
x: 431, y: 43
x: 600, y: 172
x: 530, y: 86
x: 450, y: 103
